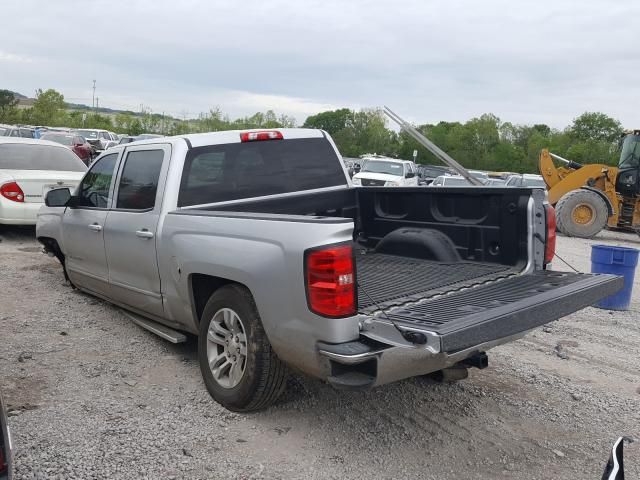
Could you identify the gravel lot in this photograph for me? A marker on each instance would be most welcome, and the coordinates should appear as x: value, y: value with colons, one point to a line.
x: 94, y: 396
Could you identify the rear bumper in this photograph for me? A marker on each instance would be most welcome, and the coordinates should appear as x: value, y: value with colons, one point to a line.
x: 458, y: 326
x: 14, y: 213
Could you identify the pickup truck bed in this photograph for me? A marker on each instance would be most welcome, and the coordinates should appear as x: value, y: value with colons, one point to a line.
x: 388, y: 280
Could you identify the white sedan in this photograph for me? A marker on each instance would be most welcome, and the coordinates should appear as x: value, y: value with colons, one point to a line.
x: 28, y: 170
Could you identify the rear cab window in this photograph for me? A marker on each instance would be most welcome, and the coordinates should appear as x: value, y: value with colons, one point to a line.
x: 235, y: 171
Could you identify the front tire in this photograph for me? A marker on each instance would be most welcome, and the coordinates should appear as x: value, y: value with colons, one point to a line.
x: 238, y: 365
x: 581, y: 213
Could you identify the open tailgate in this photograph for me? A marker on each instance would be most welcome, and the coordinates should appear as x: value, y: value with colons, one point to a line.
x: 505, y: 307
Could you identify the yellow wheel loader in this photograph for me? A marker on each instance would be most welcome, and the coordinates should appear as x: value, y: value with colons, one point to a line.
x: 589, y: 197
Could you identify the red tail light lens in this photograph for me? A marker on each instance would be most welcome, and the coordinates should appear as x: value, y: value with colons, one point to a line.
x: 259, y: 136
x: 550, y: 245
x: 330, y: 278
x: 12, y: 191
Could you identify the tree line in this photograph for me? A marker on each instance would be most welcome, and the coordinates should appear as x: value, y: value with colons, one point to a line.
x: 485, y: 142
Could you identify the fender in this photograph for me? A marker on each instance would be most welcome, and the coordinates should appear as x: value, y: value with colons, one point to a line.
x: 603, y: 196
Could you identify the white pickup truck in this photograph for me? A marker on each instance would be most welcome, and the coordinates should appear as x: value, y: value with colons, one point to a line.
x: 257, y: 242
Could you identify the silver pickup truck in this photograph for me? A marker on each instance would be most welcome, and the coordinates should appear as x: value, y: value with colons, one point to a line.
x: 257, y: 242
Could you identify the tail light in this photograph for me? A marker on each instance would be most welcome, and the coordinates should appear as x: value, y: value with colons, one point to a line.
x: 12, y: 191
x: 330, y: 281
x: 259, y: 136
x: 550, y: 244
x: 3, y: 463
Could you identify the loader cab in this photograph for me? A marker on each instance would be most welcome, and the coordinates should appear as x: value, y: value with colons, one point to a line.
x: 628, y: 181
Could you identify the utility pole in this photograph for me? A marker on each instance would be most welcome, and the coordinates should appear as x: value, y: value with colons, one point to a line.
x: 97, y: 101
x: 93, y: 98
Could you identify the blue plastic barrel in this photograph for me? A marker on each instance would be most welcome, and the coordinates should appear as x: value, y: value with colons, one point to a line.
x: 617, y: 261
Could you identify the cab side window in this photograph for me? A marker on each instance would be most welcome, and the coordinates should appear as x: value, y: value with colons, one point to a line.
x: 96, y: 185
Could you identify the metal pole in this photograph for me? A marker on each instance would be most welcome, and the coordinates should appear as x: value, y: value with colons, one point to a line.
x: 433, y: 148
x: 558, y: 157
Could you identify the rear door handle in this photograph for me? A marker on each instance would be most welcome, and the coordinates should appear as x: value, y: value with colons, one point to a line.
x: 144, y: 233
x: 95, y: 227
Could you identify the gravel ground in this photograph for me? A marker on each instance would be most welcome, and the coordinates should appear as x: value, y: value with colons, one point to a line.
x: 93, y: 396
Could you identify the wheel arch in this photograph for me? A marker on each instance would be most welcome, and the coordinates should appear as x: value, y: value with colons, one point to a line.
x: 202, y: 286
x: 602, y: 195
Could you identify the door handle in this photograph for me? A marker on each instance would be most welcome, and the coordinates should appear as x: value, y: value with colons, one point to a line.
x: 144, y: 233
x: 95, y: 227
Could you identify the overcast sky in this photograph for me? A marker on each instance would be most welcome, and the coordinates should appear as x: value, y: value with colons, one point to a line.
x: 525, y: 61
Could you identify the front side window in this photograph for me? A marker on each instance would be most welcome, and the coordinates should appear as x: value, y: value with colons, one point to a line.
x: 96, y: 185
x: 139, y: 180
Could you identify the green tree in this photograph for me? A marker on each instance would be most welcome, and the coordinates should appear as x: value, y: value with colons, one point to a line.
x: 49, y: 108
x: 331, y: 121
x: 8, y: 104
x: 596, y: 126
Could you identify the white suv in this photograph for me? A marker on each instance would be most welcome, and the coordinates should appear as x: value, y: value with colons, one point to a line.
x: 386, y: 172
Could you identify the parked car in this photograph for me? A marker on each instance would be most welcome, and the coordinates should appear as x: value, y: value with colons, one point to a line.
x: 149, y: 136
x: 450, y: 181
x: 526, y: 180
x: 29, y: 168
x: 127, y: 139
x: 427, y: 173
x: 495, y: 182
x: 479, y: 174
x: 75, y: 143
x: 253, y: 240
x: 352, y: 165
x: 6, y: 449
x: 386, y: 172
x: 100, y: 140
x: 20, y: 131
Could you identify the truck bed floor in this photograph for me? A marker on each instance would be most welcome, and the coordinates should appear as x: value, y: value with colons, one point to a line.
x: 388, y: 280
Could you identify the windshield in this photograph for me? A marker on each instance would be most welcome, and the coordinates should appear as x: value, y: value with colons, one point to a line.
x: 390, y: 168
x: 16, y: 156
x: 88, y: 134
x: 63, y: 139
x: 630, y: 156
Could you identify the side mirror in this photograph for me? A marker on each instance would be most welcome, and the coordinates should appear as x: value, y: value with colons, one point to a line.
x: 58, y: 197
x: 6, y: 455
x: 410, y: 175
x: 357, y: 168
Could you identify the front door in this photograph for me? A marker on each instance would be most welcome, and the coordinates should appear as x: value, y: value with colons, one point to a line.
x: 83, y: 227
x: 130, y: 231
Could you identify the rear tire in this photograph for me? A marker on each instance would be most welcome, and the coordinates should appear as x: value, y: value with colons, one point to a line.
x: 581, y: 213
x: 238, y: 365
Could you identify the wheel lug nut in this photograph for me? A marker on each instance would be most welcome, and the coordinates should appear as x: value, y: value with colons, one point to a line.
x: 234, y: 358
x: 237, y: 339
x: 237, y: 350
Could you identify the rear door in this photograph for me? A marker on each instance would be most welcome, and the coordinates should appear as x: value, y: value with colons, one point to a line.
x: 130, y: 233
x: 83, y: 227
